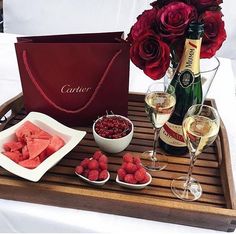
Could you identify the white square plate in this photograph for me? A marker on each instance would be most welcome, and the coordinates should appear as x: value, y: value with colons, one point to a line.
x: 71, y: 137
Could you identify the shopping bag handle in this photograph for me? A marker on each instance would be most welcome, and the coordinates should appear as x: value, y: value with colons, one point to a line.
x: 32, y: 78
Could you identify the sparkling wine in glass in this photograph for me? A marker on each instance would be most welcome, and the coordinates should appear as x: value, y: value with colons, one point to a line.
x: 159, y: 105
x: 200, y: 128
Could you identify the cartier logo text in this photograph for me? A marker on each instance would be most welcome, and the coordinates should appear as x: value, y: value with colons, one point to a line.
x: 79, y: 89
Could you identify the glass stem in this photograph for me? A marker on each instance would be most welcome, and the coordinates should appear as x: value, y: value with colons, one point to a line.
x: 155, y: 143
x: 190, y: 170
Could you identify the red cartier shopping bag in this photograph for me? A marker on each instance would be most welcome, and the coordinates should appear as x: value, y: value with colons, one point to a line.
x: 74, y: 78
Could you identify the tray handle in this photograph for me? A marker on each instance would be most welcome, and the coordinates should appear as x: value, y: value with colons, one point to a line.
x: 225, y: 165
x: 14, y: 105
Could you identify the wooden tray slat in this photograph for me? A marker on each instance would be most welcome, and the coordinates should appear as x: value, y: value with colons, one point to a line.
x: 61, y: 187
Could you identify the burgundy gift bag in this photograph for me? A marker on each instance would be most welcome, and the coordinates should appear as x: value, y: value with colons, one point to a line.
x: 74, y: 78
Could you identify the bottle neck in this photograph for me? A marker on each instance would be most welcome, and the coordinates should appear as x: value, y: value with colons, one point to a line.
x: 191, y: 56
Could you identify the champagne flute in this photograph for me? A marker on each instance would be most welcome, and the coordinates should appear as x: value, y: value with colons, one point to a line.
x: 159, y: 105
x: 200, y: 128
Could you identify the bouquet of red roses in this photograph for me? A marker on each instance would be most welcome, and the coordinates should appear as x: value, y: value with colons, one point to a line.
x: 158, y: 36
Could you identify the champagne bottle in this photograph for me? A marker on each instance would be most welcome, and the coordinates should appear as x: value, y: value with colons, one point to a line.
x: 188, y: 91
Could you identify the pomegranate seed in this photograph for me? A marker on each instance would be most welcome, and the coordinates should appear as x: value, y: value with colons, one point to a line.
x: 113, y: 127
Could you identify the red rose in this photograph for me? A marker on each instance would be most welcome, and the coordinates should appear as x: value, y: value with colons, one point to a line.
x: 214, y: 33
x: 202, y: 4
x: 173, y: 20
x: 161, y: 3
x: 144, y: 22
x: 151, y: 55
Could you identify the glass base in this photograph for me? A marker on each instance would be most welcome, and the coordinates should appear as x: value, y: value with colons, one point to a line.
x: 191, y: 192
x: 158, y: 163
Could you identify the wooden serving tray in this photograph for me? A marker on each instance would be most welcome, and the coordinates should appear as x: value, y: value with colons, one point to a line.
x: 61, y: 187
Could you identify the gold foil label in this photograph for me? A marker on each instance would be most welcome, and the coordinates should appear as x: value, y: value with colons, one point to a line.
x: 191, y: 60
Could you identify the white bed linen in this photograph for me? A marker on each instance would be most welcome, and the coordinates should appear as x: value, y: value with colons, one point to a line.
x: 26, y: 217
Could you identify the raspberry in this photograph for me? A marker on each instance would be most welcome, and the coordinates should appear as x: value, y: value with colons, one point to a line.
x: 93, y: 175
x: 84, y: 163
x: 103, y: 158
x: 145, y: 180
x: 130, y: 168
x: 103, y: 165
x: 121, y: 174
x: 143, y: 170
x: 128, y: 158
x: 85, y: 173
x: 93, y: 164
x: 139, y: 166
x: 97, y: 155
x: 140, y: 174
x: 129, y: 178
x: 103, y: 175
x: 124, y: 165
x: 79, y: 170
x: 136, y: 160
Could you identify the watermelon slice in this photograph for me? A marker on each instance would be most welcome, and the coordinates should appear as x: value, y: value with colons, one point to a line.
x: 15, y: 156
x: 25, y: 152
x: 26, y: 130
x: 43, y: 156
x: 12, y: 146
x: 36, y: 147
x: 41, y: 135
x: 30, y: 163
x: 55, y: 144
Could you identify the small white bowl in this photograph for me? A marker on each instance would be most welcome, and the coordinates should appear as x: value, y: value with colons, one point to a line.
x: 113, y: 145
x: 71, y: 137
x: 133, y: 186
x: 96, y: 183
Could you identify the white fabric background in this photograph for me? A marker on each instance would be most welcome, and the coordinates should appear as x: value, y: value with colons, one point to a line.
x: 70, y: 16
